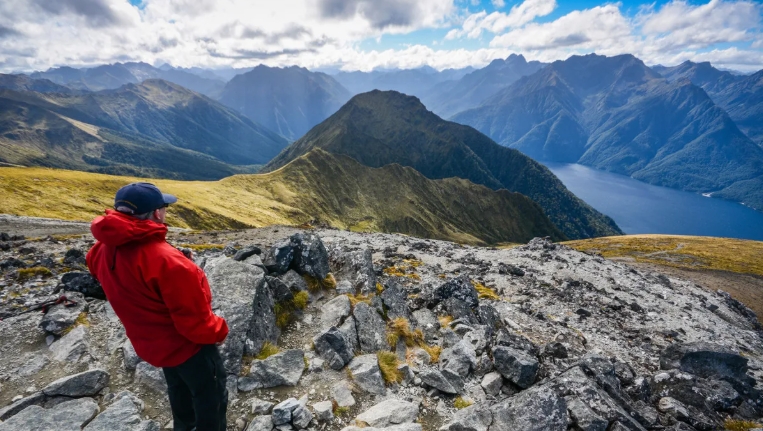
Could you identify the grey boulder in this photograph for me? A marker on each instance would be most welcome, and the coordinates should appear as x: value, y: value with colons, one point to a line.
x: 335, y: 311
x: 241, y: 296
x: 69, y: 415
x: 261, y: 423
x: 536, y: 409
x: 282, y: 412
x: 332, y: 346
x: 62, y: 316
x: 124, y: 415
x: 310, y: 255
x: 459, y: 288
x: 72, y: 346
x: 516, y: 366
x: 84, y: 384
x: 83, y: 283
x: 389, y: 412
x: 282, y: 369
x: 394, y: 299
x: 459, y: 359
x: 278, y: 258
x: 435, y: 379
x: 150, y: 377
x: 367, y: 375
x: 372, y: 331
x: 473, y: 418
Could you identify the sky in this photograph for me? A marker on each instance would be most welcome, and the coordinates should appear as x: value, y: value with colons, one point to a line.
x: 371, y: 34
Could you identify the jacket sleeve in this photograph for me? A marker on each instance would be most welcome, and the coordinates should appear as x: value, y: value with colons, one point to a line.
x: 186, y: 294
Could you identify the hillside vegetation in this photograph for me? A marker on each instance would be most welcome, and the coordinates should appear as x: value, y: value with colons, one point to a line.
x: 690, y: 252
x: 316, y: 187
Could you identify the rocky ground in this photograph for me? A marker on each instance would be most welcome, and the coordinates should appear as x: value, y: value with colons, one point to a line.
x: 336, y: 330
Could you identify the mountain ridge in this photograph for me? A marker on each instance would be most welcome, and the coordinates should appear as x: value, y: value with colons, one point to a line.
x: 380, y: 128
x: 316, y: 187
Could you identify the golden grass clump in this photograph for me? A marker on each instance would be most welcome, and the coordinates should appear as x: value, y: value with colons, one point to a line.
x: 484, y: 292
x: 400, y: 329
x: 80, y: 321
x: 433, y: 351
x: 739, y: 425
x: 284, y: 311
x: 461, y: 403
x: 406, y: 270
x: 379, y: 288
x: 355, y: 299
x: 25, y: 274
x: 388, y: 364
x: 445, y: 321
x: 267, y: 351
x: 314, y: 285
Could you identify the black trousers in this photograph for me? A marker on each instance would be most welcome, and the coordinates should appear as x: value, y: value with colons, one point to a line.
x: 198, y: 397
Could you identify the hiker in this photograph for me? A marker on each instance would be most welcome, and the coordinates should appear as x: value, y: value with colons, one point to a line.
x: 163, y: 300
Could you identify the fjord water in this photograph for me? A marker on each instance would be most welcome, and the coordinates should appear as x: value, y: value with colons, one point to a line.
x: 638, y: 207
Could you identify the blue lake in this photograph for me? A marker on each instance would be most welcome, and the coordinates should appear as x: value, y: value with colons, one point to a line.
x: 638, y: 207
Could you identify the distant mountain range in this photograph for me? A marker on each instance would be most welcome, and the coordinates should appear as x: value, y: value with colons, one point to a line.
x: 450, y: 97
x: 410, y: 81
x: 155, y: 128
x: 381, y: 128
x: 112, y: 76
x: 289, y: 101
x: 740, y: 95
x: 616, y: 114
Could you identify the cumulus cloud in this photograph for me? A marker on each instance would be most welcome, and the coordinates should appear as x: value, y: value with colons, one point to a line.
x: 497, y: 22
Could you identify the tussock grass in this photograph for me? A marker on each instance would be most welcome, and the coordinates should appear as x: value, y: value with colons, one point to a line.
x: 284, y: 311
x: 445, y: 321
x: 400, y: 329
x: 388, y: 364
x: 267, y: 351
x: 314, y: 285
x: 739, y: 425
x: 80, y: 321
x: 433, y: 351
x: 25, y: 274
x: 484, y: 292
x: 355, y: 299
x: 461, y: 403
x: 405, y: 270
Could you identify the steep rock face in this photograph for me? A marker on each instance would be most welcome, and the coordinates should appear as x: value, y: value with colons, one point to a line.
x: 242, y: 297
x: 616, y: 114
x: 382, y: 128
x: 288, y: 100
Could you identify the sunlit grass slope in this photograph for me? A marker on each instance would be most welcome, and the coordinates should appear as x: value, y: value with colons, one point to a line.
x: 317, y: 186
x: 691, y: 252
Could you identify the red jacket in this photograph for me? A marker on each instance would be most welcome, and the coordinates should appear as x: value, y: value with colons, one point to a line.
x: 161, y: 296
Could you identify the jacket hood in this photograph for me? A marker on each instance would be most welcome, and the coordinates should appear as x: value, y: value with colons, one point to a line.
x: 115, y: 229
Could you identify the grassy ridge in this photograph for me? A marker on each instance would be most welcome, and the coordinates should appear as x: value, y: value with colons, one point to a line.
x: 318, y: 186
x: 689, y: 252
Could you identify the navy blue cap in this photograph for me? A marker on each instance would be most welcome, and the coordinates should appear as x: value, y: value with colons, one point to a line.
x: 141, y: 198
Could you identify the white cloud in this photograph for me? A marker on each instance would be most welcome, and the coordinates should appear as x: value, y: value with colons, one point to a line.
x: 498, y: 4
x: 497, y: 22
x: 37, y: 34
